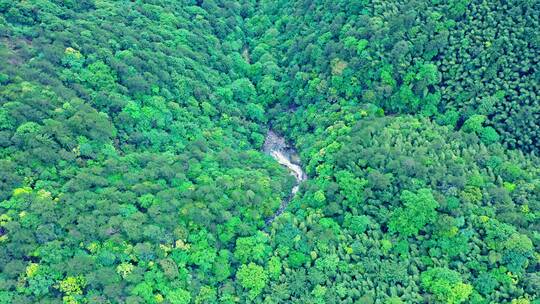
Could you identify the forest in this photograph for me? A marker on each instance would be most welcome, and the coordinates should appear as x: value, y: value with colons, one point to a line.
x: 133, y: 166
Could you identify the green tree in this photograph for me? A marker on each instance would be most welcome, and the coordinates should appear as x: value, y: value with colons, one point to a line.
x: 252, y: 277
x: 419, y: 209
x: 489, y: 135
x: 446, y: 285
x: 274, y: 267
x: 474, y: 124
x: 179, y: 296
x: 253, y: 248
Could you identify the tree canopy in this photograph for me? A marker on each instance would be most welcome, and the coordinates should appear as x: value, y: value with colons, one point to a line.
x: 132, y: 167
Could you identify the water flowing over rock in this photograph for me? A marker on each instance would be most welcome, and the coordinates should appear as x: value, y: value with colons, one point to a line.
x: 285, y: 155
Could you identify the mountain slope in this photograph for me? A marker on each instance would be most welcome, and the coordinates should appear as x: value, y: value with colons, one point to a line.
x: 131, y: 168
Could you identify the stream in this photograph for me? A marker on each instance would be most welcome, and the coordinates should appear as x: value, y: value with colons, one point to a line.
x: 285, y: 155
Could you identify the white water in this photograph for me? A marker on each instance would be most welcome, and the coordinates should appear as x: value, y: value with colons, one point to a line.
x: 276, y: 147
x: 295, y: 169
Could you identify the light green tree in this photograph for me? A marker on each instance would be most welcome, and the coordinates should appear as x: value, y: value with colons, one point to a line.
x: 418, y: 210
x: 252, y: 277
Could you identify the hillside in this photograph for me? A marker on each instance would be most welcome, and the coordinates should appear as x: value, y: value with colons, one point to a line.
x: 132, y: 167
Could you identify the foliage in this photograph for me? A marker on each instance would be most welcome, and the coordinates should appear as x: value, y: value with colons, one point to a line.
x: 446, y: 285
x: 418, y: 211
x: 253, y: 277
x: 131, y: 168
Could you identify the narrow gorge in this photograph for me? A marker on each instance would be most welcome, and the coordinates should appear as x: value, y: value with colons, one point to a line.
x: 276, y: 146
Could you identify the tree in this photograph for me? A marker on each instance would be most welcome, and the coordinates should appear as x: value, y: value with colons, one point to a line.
x: 253, y: 248
x: 207, y: 294
x: 99, y: 76
x: 252, y: 277
x: 428, y: 74
x: 179, y: 296
x: 243, y: 90
x: 489, y: 135
x: 419, y: 209
x: 72, y: 287
x: 255, y: 112
x: 274, y: 267
x: 474, y: 124
x: 356, y: 223
x: 446, y: 285
x: 516, y: 248
x: 297, y: 259
x: 352, y: 187
x: 145, y: 291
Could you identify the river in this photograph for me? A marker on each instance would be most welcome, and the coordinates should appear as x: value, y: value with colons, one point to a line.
x: 285, y: 155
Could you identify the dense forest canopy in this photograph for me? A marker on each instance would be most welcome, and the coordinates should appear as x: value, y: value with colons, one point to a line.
x: 132, y: 170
